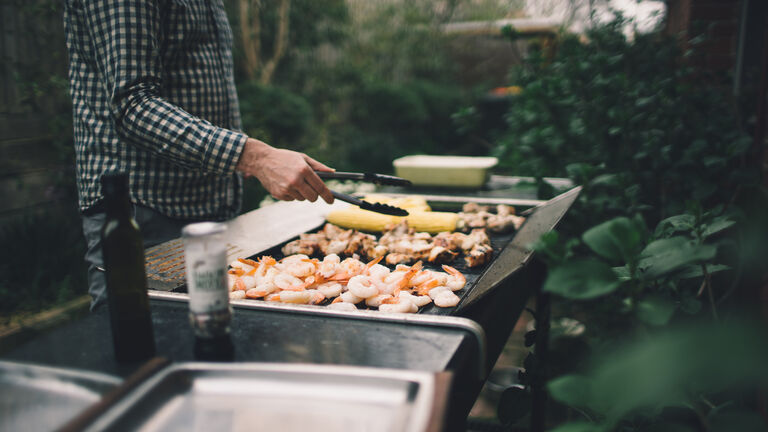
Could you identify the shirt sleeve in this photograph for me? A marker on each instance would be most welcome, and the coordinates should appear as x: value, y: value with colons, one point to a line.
x: 127, y: 52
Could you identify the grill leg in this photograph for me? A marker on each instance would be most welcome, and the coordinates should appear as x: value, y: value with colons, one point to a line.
x: 539, y: 374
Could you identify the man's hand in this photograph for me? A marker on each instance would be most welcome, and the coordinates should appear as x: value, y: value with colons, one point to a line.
x: 286, y: 174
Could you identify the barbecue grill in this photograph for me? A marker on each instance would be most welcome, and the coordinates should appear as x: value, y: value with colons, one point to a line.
x: 490, y: 303
x: 165, y: 262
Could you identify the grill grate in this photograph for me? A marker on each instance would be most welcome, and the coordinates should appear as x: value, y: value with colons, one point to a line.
x: 165, y: 263
x: 498, y: 242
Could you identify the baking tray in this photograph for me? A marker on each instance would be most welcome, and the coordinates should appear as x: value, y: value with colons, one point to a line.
x: 42, y: 398
x: 268, y: 396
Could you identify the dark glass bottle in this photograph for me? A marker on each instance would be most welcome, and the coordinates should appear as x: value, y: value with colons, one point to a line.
x: 123, y: 252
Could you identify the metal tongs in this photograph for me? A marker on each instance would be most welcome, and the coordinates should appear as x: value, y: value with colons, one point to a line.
x: 379, y: 179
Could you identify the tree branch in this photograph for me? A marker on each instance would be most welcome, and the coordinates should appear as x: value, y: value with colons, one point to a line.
x: 250, y: 35
x: 281, y: 41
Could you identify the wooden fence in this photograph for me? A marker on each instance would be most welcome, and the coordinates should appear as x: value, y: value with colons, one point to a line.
x: 33, y: 109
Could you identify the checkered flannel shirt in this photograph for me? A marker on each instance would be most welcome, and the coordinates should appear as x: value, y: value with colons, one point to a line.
x: 153, y: 94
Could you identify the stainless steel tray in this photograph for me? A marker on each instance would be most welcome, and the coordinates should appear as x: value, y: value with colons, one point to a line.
x: 41, y: 398
x: 276, y: 397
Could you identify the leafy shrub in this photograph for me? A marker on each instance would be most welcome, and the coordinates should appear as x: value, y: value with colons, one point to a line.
x: 273, y: 114
x: 625, y: 116
x: 392, y: 120
x: 654, y: 146
x: 637, y: 277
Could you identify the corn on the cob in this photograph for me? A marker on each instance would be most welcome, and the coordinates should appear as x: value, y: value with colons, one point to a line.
x: 421, y: 221
x: 415, y: 203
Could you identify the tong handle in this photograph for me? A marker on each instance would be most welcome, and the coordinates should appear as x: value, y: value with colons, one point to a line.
x: 347, y: 198
x: 339, y: 175
x: 379, y: 179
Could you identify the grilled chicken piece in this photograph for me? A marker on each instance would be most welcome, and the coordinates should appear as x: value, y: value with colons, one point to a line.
x: 479, y: 255
x: 439, y: 255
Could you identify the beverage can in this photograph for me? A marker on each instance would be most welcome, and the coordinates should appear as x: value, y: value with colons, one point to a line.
x: 205, y: 256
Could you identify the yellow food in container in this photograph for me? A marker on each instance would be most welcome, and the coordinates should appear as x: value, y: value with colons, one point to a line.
x: 452, y: 171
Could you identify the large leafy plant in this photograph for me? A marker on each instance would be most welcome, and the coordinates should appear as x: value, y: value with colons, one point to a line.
x: 642, y: 286
x: 638, y: 276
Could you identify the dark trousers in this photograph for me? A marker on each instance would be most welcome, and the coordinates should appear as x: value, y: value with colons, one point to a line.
x: 155, y: 229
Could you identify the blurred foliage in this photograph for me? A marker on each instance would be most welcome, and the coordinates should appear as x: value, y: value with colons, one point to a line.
x: 384, y: 88
x: 627, y: 117
x: 44, y: 266
x: 273, y: 114
x: 41, y: 82
x: 486, y: 10
x: 654, y: 145
x: 657, y: 383
x: 312, y: 23
x: 42, y: 258
x: 401, y: 41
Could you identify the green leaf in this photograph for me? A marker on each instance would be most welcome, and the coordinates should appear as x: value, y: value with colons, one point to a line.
x: 740, y: 145
x: 622, y: 273
x: 617, y: 239
x: 605, y: 180
x: 666, y: 256
x: 582, y: 279
x: 573, y: 390
x: 655, y: 310
x: 695, y: 270
x: 717, y: 225
x: 670, y: 225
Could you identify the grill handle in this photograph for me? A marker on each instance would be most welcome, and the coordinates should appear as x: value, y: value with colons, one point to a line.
x: 379, y: 179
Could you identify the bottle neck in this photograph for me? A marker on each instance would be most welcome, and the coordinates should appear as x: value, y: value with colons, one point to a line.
x: 118, y: 206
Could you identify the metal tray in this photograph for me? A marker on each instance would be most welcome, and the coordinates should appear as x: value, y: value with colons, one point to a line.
x: 41, y: 398
x: 265, y: 396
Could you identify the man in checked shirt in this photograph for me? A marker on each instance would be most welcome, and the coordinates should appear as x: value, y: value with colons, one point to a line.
x: 154, y: 95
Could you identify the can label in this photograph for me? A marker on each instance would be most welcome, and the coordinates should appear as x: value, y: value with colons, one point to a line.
x: 206, y: 262
x: 207, y: 283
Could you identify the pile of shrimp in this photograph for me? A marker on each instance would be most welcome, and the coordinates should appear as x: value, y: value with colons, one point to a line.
x: 349, y: 282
